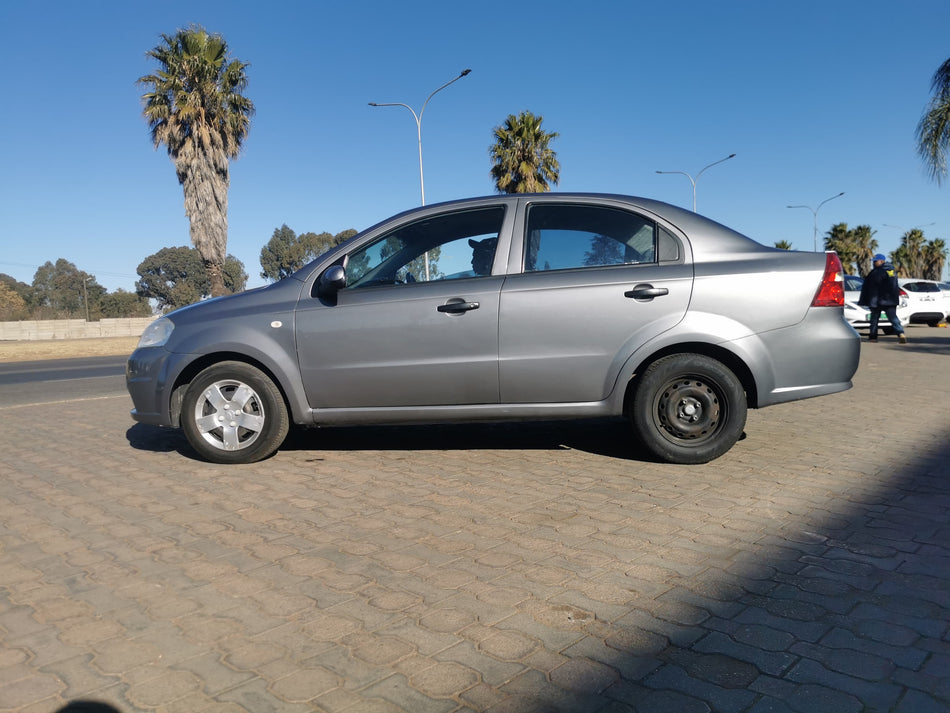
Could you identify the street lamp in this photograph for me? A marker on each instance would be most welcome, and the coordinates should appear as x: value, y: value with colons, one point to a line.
x: 693, y: 181
x: 418, y: 118
x: 85, y: 295
x: 815, y: 213
x: 901, y: 227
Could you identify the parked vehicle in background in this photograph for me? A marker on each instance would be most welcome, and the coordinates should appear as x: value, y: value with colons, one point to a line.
x: 928, y: 303
x: 509, y: 307
x: 859, y: 316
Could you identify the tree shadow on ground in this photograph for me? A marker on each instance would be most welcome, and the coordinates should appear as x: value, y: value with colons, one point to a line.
x: 845, y: 609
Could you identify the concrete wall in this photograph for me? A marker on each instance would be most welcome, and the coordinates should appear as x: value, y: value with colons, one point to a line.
x: 73, y: 328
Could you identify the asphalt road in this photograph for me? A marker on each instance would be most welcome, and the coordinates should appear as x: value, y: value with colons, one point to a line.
x: 58, y: 380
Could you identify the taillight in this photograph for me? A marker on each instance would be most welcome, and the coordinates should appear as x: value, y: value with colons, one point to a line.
x: 831, y: 291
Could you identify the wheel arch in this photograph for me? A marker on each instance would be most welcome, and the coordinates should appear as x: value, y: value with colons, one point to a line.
x: 195, y: 367
x: 732, y: 361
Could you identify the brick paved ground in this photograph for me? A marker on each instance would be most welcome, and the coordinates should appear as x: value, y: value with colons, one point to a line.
x: 512, y: 569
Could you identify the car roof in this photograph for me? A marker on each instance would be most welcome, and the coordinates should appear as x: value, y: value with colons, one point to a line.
x: 719, y: 238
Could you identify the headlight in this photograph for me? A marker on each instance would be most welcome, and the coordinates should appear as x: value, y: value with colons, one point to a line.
x: 157, y: 333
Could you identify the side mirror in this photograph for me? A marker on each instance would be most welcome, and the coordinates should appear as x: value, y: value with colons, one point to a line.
x: 331, y: 281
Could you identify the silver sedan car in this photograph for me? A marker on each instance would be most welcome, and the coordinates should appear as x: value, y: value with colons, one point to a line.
x: 509, y: 307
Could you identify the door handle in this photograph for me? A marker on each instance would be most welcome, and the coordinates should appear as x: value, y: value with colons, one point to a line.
x: 457, y: 307
x: 646, y: 292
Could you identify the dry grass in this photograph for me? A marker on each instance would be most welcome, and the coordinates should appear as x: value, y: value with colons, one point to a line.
x: 27, y: 350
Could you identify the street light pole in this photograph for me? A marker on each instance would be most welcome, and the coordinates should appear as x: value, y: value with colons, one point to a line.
x: 901, y: 227
x: 85, y: 295
x: 815, y: 213
x: 693, y: 181
x: 418, y: 118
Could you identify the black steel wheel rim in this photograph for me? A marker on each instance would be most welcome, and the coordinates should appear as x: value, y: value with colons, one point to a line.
x: 689, y: 409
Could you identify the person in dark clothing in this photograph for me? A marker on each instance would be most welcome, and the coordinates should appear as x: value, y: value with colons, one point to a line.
x: 881, y: 293
x: 483, y: 252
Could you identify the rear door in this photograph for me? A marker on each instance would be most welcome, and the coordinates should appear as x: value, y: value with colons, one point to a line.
x: 596, y: 282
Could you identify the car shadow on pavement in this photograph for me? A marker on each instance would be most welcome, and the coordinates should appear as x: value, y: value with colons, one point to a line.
x: 609, y: 437
x: 605, y: 437
x: 143, y: 437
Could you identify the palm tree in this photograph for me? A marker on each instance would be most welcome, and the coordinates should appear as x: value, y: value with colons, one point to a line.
x: 841, y: 240
x: 933, y: 130
x: 934, y: 254
x: 783, y: 245
x: 196, y: 108
x: 523, y: 161
x: 865, y: 247
x: 908, y: 259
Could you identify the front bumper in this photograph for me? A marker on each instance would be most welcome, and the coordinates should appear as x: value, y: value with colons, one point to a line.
x: 149, y: 380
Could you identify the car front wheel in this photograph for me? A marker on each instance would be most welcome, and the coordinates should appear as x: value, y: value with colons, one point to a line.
x: 688, y: 409
x: 233, y: 413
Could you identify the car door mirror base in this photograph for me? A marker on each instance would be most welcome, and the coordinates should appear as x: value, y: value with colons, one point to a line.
x: 330, y: 282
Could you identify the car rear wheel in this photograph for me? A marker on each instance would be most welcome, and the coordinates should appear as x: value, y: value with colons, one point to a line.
x: 688, y: 409
x: 233, y: 413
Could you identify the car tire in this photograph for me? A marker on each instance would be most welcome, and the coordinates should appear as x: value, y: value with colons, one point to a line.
x: 233, y: 412
x: 688, y: 409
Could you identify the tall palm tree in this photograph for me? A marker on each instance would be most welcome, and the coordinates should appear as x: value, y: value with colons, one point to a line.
x: 934, y: 254
x: 841, y: 240
x: 908, y: 259
x: 195, y: 106
x: 523, y: 160
x: 933, y: 130
x: 865, y: 247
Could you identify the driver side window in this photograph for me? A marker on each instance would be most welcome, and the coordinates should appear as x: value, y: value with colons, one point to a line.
x: 443, y: 247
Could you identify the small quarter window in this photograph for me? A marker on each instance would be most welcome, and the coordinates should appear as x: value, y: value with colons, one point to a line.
x: 669, y: 247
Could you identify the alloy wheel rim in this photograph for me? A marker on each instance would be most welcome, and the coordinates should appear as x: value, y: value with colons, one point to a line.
x: 229, y: 415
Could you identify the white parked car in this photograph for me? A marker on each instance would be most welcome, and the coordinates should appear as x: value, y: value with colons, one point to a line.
x: 860, y: 317
x: 928, y: 303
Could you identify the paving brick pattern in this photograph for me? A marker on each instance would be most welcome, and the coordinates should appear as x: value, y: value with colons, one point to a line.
x: 506, y: 569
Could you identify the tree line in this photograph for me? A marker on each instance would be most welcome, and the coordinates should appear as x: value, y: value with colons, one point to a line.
x: 914, y: 257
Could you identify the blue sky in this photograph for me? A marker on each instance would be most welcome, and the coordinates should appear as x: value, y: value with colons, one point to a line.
x: 814, y: 98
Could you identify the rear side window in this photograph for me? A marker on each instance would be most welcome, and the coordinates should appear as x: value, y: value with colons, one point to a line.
x: 921, y: 287
x: 565, y: 237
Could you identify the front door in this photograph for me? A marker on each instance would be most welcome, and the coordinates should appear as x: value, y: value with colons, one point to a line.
x: 417, y: 324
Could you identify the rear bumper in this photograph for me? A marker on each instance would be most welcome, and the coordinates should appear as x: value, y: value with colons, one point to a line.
x: 926, y: 317
x: 818, y: 356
